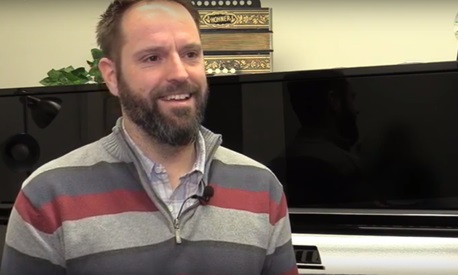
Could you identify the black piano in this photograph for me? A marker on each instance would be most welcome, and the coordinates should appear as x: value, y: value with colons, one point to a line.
x: 367, y: 152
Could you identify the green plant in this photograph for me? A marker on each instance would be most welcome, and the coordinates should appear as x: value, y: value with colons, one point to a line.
x: 73, y: 76
x: 94, y: 72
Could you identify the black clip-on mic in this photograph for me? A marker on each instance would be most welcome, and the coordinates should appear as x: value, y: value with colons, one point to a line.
x: 206, y: 195
x: 203, y: 200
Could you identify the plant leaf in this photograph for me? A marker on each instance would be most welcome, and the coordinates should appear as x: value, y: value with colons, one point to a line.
x: 68, y: 69
x: 69, y: 75
x: 96, y: 53
x: 54, y: 74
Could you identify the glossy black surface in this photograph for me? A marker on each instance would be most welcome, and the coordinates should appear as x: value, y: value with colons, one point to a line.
x: 362, y: 138
x: 380, y: 138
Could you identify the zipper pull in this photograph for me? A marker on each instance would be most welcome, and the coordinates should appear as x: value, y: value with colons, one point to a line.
x: 177, y: 231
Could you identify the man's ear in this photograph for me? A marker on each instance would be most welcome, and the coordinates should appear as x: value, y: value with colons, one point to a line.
x: 108, y: 70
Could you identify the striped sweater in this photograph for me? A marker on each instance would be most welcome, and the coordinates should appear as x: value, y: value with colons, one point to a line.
x: 92, y: 211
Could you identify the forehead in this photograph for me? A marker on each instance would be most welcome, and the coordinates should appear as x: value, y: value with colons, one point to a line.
x: 156, y: 14
x: 158, y: 6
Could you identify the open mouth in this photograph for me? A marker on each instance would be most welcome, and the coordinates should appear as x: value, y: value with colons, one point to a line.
x: 177, y: 97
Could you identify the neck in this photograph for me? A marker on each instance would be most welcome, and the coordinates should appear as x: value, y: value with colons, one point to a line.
x: 177, y: 160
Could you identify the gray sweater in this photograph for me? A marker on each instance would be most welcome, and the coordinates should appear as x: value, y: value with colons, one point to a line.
x: 92, y: 211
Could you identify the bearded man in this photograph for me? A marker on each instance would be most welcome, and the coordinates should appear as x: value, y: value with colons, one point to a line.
x: 159, y: 195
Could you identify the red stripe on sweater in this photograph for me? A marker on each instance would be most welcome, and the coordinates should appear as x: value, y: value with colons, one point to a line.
x: 251, y: 201
x: 278, y: 211
x: 293, y: 271
x: 50, y: 216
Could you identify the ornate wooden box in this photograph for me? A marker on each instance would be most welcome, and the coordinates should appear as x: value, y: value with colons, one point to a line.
x: 236, y: 36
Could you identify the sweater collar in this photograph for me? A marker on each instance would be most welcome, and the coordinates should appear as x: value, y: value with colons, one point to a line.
x: 117, y: 145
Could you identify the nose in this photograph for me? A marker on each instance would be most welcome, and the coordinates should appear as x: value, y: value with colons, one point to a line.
x: 177, y: 70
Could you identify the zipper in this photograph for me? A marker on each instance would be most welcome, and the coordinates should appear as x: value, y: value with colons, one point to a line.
x: 176, y: 223
x: 177, y: 231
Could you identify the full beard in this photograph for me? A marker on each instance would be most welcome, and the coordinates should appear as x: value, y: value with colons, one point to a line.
x: 179, y: 128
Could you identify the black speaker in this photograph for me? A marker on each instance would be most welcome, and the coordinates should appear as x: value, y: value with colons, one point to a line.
x: 21, y: 152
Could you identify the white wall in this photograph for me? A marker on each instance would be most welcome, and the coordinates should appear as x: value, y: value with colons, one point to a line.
x: 313, y: 34
x: 37, y: 35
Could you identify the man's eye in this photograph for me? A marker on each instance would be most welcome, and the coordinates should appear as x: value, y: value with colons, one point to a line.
x: 152, y: 58
x: 192, y: 54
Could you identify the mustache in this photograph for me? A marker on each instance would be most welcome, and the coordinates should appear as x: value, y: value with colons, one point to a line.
x: 173, y: 89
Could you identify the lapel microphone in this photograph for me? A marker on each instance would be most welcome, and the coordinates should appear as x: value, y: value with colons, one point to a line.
x: 206, y: 195
x: 203, y: 200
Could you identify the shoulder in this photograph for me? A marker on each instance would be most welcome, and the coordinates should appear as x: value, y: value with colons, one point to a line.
x: 83, y: 157
x: 231, y: 169
x: 231, y: 157
x: 90, y: 169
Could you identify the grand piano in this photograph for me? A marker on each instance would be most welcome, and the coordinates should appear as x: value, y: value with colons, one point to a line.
x: 368, y: 156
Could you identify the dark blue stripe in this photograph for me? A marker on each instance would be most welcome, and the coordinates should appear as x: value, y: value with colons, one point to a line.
x: 283, y: 259
x: 244, y: 177
x: 75, y: 181
x: 191, y: 258
x: 15, y: 262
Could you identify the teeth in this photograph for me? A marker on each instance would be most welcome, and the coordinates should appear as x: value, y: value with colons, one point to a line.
x: 177, y: 97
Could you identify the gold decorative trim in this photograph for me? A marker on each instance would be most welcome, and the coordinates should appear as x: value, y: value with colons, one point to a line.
x: 237, y: 41
x: 236, y: 19
x: 238, y: 64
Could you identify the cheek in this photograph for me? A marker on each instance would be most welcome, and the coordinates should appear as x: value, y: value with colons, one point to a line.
x: 200, y: 78
x: 144, y: 82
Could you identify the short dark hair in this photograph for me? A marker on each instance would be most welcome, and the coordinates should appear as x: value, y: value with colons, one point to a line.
x: 109, y: 36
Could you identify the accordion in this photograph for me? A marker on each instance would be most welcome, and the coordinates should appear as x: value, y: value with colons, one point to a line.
x: 236, y: 36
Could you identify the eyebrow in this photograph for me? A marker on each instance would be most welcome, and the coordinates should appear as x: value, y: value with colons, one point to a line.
x: 152, y: 49
x: 191, y: 46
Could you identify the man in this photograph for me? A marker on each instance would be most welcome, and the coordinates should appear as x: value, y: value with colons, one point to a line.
x: 159, y: 195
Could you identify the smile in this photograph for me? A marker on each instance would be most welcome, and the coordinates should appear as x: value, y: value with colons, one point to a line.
x: 177, y: 97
